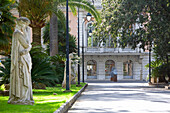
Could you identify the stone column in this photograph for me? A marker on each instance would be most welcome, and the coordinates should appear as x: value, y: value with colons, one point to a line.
x: 136, y: 70
x: 145, y: 71
x: 85, y: 70
x: 119, y: 67
x: 101, y: 70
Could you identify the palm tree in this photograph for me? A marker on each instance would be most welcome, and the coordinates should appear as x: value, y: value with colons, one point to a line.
x: 61, y: 39
x: 54, y: 23
x: 7, y: 24
x: 38, y: 11
x: 53, y: 35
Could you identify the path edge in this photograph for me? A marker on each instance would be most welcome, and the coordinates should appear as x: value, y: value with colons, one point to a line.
x: 64, y: 108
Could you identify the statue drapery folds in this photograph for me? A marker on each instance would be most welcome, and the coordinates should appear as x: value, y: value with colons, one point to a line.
x: 21, y: 64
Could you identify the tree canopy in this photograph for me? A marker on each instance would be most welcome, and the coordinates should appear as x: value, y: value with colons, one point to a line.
x: 7, y: 24
x: 38, y: 11
x: 135, y: 22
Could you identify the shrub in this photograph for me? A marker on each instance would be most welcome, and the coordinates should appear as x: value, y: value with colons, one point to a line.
x: 42, y: 69
x: 58, y: 63
x: 159, y: 69
x: 5, y: 71
x: 2, y: 87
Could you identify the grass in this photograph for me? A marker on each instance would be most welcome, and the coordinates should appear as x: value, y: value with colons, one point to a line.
x: 45, y: 101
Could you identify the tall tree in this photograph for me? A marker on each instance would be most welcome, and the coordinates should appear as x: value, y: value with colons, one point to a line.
x: 54, y: 23
x: 53, y: 35
x: 137, y: 22
x: 7, y: 23
x: 38, y: 11
x: 61, y: 39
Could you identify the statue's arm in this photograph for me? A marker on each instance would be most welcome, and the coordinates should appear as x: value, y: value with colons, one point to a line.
x: 21, y: 39
x: 25, y: 51
x: 27, y: 46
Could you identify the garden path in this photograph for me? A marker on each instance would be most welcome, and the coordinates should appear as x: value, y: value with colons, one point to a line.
x: 122, y: 97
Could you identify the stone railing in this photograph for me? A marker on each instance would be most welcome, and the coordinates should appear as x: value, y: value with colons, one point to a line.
x: 112, y: 50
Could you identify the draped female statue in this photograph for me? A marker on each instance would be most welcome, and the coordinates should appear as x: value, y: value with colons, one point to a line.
x: 20, y: 75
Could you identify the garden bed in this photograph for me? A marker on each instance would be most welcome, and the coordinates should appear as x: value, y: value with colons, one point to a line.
x: 45, y: 100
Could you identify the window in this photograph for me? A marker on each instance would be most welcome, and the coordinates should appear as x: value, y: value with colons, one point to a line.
x: 127, y: 69
x: 108, y: 67
x: 91, y: 69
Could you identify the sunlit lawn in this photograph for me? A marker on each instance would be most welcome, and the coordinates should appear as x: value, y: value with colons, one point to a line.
x: 45, y: 101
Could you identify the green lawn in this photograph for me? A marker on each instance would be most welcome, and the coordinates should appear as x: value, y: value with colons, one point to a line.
x: 45, y: 101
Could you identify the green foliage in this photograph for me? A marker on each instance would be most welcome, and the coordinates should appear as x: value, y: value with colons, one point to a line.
x: 58, y: 60
x: 61, y: 39
x: 160, y: 71
x: 58, y: 63
x: 2, y: 87
x: 5, y: 71
x: 42, y: 70
x: 41, y: 9
x: 45, y: 101
x: 137, y: 22
x: 159, y: 68
x: 155, y: 66
x: 162, y: 50
x: 6, y: 25
x: 38, y: 11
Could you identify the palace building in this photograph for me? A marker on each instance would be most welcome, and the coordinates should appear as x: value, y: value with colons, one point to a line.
x: 99, y: 60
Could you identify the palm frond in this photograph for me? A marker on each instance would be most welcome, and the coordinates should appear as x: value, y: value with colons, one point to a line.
x: 81, y: 4
x: 60, y: 14
x: 73, y: 10
x: 86, y: 6
x: 7, y: 24
x: 5, y: 71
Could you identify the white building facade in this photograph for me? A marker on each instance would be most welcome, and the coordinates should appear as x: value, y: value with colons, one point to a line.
x: 98, y: 61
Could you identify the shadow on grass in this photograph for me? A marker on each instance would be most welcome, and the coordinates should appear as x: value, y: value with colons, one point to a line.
x: 47, y: 107
x: 45, y: 101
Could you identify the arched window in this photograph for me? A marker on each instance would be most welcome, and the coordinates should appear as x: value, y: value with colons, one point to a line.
x: 91, y: 40
x: 108, y: 67
x: 91, y: 69
x: 128, y: 69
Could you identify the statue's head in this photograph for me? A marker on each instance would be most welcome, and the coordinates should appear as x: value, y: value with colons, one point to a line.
x: 23, y: 21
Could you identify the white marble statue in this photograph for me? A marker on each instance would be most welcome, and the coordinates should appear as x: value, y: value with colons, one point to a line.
x: 70, y: 77
x: 20, y: 75
x: 74, y: 69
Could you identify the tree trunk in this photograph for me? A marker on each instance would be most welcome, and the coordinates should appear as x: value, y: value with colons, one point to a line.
x: 36, y: 36
x: 53, y: 35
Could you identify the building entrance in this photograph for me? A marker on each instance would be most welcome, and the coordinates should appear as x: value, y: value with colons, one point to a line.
x: 91, y: 69
x: 108, y: 68
x: 128, y: 70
